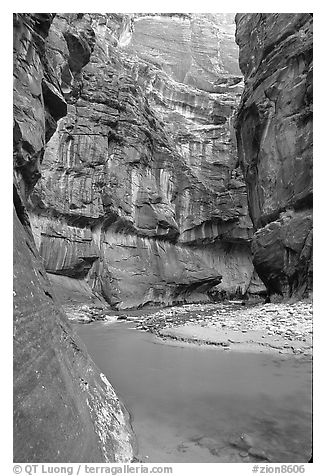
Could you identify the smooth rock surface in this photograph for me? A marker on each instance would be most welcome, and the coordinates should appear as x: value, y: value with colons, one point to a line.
x: 65, y: 410
x: 274, y: 135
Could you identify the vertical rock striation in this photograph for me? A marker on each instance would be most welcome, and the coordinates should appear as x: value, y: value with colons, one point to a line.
x: 141, y: 200
x: 64, y: 408
x: 274, y: 135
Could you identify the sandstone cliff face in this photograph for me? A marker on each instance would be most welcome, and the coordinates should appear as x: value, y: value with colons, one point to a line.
x: 65, y: 410
x: 274, y: 134
x: 140, y: 199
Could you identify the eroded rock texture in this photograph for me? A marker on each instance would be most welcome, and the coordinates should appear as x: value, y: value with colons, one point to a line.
x: 274, y: 134
x: 65, y: 410
x: 141, y: 200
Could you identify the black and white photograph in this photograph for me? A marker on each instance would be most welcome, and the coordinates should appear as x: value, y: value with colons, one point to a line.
x: 162, y: 241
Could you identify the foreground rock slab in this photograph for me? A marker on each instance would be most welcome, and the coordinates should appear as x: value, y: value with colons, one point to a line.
x: 64, y: 408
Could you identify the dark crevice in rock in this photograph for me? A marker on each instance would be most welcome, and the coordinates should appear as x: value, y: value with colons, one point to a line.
x: 80, y: 45
x: 49, y: 295
x: 56, y: 106
x: 20, y: 208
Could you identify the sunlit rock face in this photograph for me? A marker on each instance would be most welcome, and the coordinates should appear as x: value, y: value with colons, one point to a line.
x: 274, y: 133
x: 141, y: 196
x: 188, y: 67
x: 65, y: 410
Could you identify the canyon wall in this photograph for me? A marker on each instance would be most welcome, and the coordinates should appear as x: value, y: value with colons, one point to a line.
x: 65, y: 410
x: 274, y: 135
x: 128, y: 191
x: 141, y: 200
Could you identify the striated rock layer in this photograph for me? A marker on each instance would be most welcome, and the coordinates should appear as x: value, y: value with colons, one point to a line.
x: 274, y: 135
x: 141, y: 200
x: 65, y: 410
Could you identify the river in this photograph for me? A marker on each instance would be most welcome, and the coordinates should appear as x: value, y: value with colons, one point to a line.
x: 192, y: 404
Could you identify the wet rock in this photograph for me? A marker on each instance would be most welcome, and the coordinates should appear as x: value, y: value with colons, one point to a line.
x: 243, y: 454
x: 209, y: 443
x: 258, y: 453
x: 247, y: 444
x: 243, y: 442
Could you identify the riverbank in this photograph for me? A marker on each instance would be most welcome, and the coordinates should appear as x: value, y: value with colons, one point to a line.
x: 284, y: 328
x: 269, y: 328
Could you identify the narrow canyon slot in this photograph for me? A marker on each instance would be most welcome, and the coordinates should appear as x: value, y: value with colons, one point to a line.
x: 162, y: 237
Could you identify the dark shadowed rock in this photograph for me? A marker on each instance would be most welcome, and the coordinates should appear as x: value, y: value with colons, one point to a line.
x: 274, y: 134
x: 65, y: 410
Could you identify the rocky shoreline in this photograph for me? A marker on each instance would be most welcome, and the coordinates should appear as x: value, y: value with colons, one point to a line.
x: 284, y: 328
x: 275, y: 327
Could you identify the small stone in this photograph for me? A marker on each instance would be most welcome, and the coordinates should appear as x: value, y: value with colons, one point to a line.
x: 243, y: 454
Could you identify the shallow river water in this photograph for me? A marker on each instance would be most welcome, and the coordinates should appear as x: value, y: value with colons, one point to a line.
x: 192, y: 404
